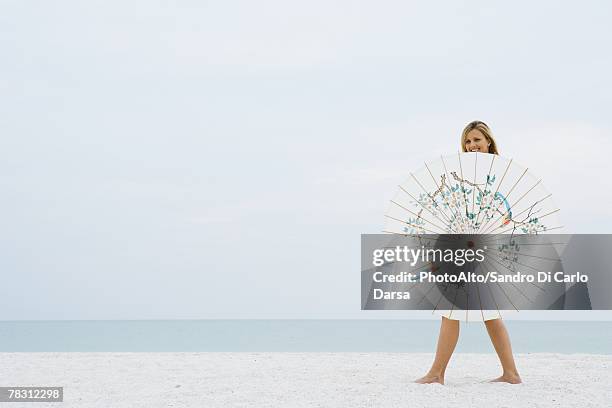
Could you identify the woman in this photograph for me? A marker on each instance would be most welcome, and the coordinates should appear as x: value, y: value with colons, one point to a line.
x: 476, y: 137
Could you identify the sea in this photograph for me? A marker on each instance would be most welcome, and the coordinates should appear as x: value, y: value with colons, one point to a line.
x: 415, y: 336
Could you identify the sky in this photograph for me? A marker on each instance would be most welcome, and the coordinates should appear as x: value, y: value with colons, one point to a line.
x: 200, y: 160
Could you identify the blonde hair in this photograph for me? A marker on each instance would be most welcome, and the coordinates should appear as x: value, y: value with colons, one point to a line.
x: 482, y: 128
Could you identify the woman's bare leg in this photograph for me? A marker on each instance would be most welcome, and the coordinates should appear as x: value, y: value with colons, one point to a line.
x: 501, y: 341
x: 447, y: 340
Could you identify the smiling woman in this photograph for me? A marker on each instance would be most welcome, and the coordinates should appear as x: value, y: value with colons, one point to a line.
x: 477, y: 137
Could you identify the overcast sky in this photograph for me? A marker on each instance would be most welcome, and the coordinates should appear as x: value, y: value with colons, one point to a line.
x: 221, y: 159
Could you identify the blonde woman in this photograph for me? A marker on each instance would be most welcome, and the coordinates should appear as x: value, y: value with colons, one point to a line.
x: 476, y: 137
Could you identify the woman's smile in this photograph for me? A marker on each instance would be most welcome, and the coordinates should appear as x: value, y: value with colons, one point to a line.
x: 475, y: 141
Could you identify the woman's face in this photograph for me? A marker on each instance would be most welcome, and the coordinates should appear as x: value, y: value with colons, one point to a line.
x: 475, y: 141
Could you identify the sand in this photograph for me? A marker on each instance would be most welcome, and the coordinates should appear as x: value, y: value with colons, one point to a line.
x: 307, y: 380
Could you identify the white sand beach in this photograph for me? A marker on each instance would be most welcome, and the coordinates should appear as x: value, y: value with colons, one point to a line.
x: 307, y: 380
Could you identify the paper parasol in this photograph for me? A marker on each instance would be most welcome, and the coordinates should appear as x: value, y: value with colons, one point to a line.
x: 473, y: 194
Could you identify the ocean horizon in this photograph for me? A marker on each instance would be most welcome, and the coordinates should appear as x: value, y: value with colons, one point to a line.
x: 278, y: 335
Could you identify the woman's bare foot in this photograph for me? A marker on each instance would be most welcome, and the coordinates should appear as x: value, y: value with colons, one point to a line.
x: 430, y: 379
x: 509, y: 378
